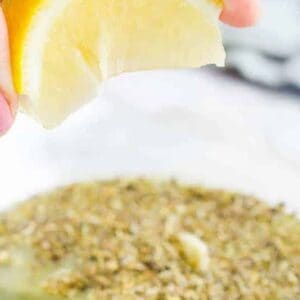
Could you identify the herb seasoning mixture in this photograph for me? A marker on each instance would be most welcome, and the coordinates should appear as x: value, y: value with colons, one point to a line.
x: 139, y: 239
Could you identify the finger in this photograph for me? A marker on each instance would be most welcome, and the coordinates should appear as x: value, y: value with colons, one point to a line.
x: 6, y: 116
x: 8, y: 98
x: 240, y: 13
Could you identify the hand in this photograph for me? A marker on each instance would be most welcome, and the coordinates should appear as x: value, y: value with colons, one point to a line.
x: 239, y: 13
x: 8, y: 98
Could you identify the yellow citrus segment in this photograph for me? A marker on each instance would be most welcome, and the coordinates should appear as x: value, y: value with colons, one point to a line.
x: 63, y: 49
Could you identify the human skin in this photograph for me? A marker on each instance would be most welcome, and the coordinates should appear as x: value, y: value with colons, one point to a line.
x: 238, y: 13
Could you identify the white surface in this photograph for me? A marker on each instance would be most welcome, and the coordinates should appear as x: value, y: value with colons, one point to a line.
x: 195, y: 125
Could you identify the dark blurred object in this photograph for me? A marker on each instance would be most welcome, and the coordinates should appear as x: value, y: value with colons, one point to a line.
x: 268, y: 53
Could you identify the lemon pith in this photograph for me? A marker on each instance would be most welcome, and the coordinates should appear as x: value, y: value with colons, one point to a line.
x: 63, y: 49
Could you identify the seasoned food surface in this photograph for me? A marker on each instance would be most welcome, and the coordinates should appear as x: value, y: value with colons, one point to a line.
x: 141, y: 239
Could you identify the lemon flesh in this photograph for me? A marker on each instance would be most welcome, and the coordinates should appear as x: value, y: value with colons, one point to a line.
x: 63, y: 49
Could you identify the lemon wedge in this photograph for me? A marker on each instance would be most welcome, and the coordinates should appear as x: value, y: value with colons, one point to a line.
x: 63, y: 49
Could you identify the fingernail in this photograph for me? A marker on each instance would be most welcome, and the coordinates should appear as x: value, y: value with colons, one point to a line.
x: 6, y: 118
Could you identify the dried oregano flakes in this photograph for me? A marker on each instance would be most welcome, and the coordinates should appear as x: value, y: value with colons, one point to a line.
x: 140, y: 239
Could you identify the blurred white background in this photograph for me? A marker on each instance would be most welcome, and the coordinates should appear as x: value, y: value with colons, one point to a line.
x: 199, y: 126
x: 268, y: 53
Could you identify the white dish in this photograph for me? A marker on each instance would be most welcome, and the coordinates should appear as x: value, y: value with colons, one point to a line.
x: 194, y: 125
